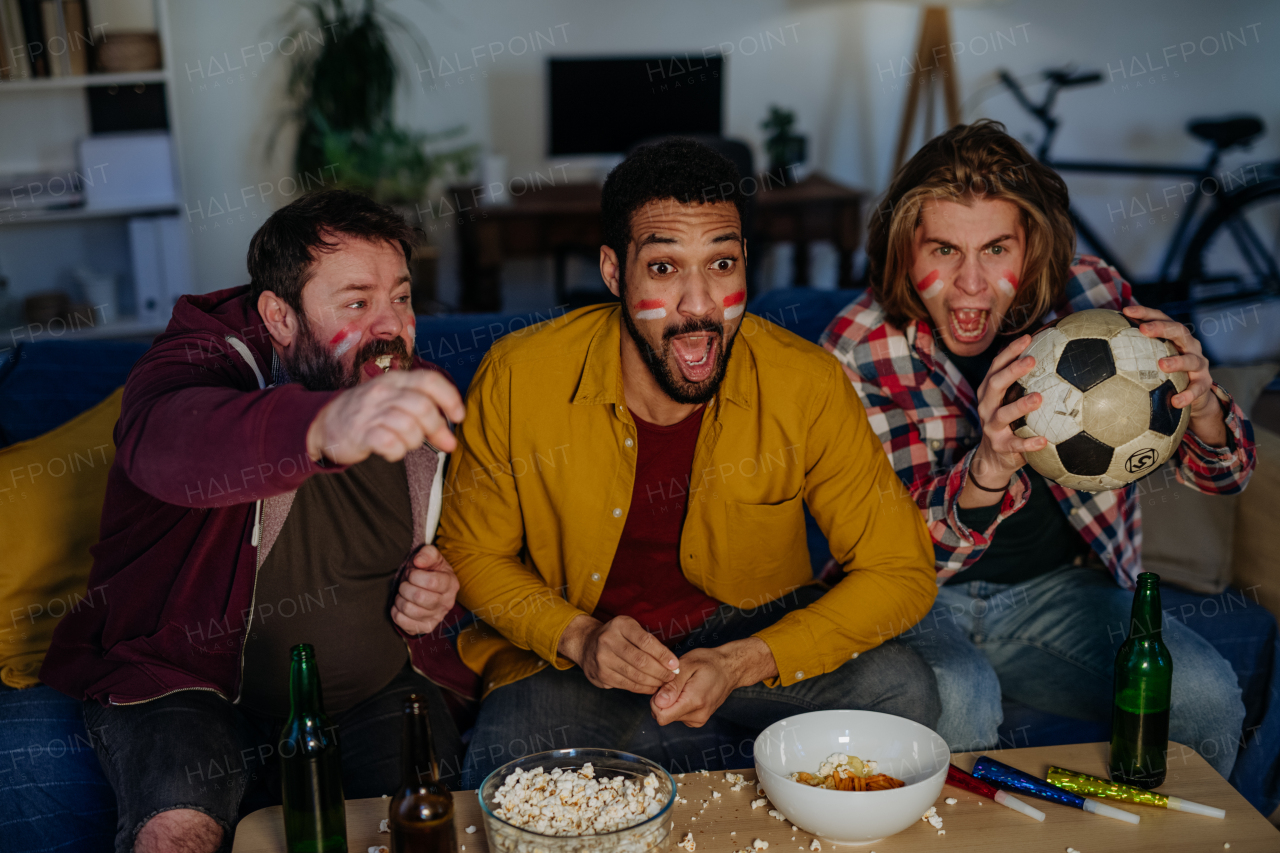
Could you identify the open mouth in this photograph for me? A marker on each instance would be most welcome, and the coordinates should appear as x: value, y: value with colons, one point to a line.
x: 696, y: 354
x: 969, y: 325
x: 380, y: 365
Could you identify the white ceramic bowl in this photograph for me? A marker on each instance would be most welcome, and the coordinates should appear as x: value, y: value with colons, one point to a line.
x: 902, y: 748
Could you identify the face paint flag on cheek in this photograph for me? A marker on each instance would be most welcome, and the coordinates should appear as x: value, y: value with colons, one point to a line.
x: 930, y: 286
x: 342, y: 342
x: 1007, y: 284
x: 735, y: 304
x: 650, y: 309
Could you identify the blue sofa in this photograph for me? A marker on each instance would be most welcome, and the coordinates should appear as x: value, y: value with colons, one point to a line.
x: 53, y: 795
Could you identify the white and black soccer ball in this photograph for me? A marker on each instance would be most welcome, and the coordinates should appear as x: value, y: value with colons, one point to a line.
x: 1105, y: 403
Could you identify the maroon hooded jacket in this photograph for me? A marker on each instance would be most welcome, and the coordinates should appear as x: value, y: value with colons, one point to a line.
x: 198, y: 443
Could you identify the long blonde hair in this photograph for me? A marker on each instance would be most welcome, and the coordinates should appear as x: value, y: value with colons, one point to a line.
x: 968, y: 162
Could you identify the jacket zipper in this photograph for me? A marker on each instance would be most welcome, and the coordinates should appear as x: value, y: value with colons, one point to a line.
x: 240, y: 347
x: 255, y: 538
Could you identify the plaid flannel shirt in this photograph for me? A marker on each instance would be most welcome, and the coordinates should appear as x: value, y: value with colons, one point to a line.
x: 926, y: 416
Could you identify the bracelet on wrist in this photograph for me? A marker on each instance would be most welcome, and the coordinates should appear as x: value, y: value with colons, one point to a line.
x: 977, y: 485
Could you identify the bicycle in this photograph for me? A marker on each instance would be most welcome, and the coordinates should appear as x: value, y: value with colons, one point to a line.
x: 1235, y: 250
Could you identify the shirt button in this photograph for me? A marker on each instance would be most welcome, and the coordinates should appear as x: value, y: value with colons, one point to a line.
x: 617, y: 512
x: 628, y: 442
x: 595, y: 576
x: 800, y: 673
x: 853, y: 656
x: 936, y: 444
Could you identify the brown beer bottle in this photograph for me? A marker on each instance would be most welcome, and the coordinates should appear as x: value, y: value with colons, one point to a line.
x: 421, y: 818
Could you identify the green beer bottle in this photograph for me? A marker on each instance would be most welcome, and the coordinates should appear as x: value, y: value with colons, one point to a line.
x: 421, y: 812
x: 1143, y: 687
x: 315, y: 818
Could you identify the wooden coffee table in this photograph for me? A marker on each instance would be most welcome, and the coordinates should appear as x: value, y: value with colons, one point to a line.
x: 972, y: 824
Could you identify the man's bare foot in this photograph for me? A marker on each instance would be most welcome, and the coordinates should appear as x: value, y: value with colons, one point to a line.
x: 179, y: 831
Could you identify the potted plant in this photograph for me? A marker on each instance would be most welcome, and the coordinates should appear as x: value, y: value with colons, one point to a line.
x: 341, y: 95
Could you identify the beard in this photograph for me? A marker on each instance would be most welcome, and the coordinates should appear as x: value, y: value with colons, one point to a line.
x: 658, y: 359
x: 313, y: 366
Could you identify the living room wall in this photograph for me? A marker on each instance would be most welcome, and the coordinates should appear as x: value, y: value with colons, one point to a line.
x: 839, y: 65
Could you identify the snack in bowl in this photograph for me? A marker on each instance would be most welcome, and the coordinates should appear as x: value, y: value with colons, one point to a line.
x: 841, y: 772
x: 903, y: 749
x: 575, y: 802
x: 578, y: 801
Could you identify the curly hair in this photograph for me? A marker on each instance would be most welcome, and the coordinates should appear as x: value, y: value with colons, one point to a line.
x: 283, y: 251
x: 676, y: 168
x: 970, y: 162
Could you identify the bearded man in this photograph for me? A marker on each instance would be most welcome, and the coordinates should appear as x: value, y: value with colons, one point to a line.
x: 625, y: 511
x: 270, y: 487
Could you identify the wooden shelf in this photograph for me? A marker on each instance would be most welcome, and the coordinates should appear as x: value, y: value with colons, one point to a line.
x: 11, y: 218
x: 80, y: 81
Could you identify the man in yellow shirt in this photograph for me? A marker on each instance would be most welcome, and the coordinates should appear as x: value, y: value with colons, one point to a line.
x: 625, y: 508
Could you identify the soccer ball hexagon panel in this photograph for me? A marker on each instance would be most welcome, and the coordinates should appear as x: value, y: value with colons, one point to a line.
x: 1104, y: 401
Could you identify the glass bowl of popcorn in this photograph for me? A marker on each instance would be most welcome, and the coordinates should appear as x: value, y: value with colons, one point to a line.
x: 578, y: 801
x: 851, y: 777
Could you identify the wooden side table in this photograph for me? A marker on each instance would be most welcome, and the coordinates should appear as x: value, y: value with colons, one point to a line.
x: 816, y: 208
x: 564, y: 219
x: 972, y: 825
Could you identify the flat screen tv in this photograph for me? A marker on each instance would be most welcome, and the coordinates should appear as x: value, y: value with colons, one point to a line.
x: 606, y: 105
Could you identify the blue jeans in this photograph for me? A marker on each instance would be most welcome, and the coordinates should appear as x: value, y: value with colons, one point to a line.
x: 1051, y: 643
x: 555, y: 709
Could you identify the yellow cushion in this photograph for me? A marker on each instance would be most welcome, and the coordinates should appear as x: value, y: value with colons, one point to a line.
x: 51, y: 492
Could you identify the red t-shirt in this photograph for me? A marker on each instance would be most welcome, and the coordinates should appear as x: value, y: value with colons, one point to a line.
x: 645, y: 581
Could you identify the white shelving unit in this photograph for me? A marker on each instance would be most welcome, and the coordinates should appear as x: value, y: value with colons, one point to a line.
x: 40, y: 248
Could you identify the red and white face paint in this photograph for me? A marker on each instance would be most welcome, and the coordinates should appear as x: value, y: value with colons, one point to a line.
x: 735, y: 304
x: 931, y: 285
x: 651, y: 309
x: 345, y: 341
x: 1007, y: 284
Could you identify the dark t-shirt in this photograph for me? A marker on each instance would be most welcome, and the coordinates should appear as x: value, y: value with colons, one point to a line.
x: 1034, y: 540
x: 645, y: 581
x: 328, y: 581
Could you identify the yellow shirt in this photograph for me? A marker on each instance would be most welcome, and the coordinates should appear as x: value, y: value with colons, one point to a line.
x: 539, y: 489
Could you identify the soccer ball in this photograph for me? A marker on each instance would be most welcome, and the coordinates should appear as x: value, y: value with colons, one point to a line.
x: 1105, y: 403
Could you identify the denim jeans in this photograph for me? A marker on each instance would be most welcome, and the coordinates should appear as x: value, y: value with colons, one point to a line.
x: 195, y: 750
x: 1051, y: 643
x: 555, y: 709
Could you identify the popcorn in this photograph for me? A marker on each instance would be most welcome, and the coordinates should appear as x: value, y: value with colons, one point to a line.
x: 755, y: 804
x: 687, y: 842
x: 760, y: 844
x: 815, y: 846
x: 385, y: 826
x: 951, y: 801
x: 715, y: 795
x: 842, y: 772
x: 379, y: 849
x: 777, y: 815
x: 567, y: 802
x: 932, y: 817
x: 471, y: 830
x: 384, y: 362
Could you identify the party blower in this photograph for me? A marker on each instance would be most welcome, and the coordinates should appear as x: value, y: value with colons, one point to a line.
x: 1083, y: 783
x: 996, y: 773
x: 960, y: 779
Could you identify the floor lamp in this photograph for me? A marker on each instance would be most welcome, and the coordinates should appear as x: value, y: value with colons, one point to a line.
x: 934, y: 69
